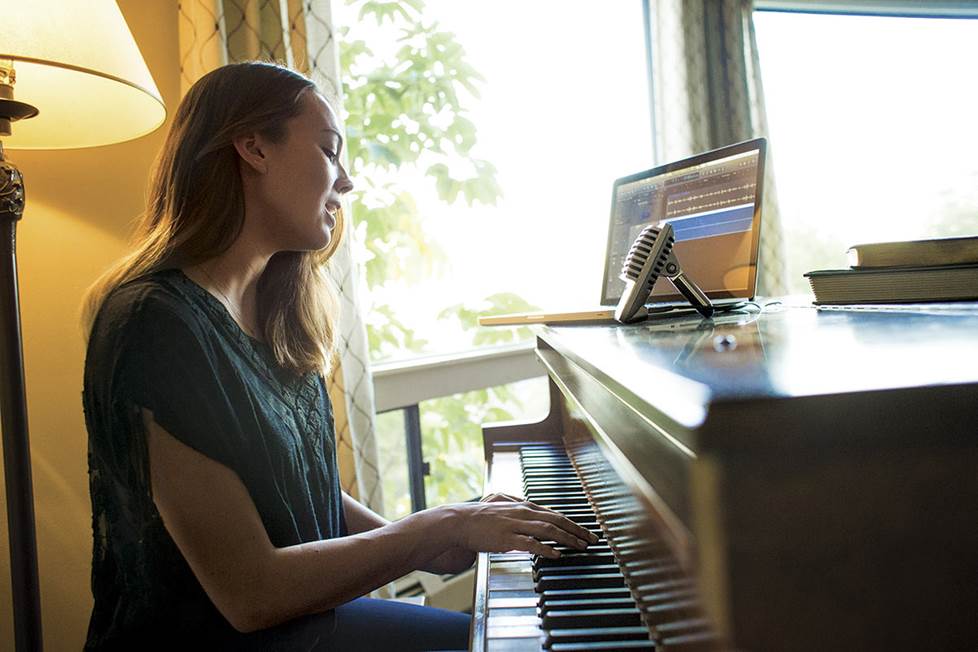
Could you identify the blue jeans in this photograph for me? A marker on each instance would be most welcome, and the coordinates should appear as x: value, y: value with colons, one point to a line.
x: 368, y: 625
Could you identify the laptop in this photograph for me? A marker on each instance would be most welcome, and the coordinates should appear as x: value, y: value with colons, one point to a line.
x: 712, y: 200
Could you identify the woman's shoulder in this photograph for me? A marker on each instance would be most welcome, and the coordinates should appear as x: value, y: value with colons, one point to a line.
x: 148, y: 300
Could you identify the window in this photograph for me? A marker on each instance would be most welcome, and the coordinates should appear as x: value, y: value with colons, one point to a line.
x: 563, y: 110
x: 872, y: 130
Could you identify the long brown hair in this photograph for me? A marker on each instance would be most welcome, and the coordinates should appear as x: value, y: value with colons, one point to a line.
x: 195, y: 209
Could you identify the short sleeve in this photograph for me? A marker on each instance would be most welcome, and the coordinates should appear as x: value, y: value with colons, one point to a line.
x: 167, y: 364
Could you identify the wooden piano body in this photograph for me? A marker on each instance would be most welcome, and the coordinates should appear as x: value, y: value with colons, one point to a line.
x: 815, y: 472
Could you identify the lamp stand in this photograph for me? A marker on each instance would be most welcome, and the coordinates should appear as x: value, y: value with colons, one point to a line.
x: 25, y: 587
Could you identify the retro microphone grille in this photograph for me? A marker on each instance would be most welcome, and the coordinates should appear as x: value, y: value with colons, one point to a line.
x: 640, y: 251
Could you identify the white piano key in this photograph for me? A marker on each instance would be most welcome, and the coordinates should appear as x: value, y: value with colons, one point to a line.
x: 512, y: 612
x: 511, y: 595
x: 531, y: 644
x: 513, y: 621
x: 520, y: 566
x: 521, y: 582
x: 513, y: 603
x: 510, y: 556
x: 523, y: 631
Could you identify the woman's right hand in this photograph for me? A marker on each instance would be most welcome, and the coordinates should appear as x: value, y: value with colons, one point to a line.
x: 504, y: 525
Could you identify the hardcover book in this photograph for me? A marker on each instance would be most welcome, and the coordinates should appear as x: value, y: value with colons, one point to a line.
x: 895, y: 284
x: 915, y: 253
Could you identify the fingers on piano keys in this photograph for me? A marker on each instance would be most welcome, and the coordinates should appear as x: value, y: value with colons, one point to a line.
x: 622, y: 593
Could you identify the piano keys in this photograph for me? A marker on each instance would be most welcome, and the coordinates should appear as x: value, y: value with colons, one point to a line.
x: 604, y: 598
x: 751, y: 496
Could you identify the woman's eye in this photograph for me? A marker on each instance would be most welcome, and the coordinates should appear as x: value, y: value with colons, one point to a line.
x: 331, y: 155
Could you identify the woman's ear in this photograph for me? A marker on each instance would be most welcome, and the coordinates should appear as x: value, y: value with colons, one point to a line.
x: 250, y: 149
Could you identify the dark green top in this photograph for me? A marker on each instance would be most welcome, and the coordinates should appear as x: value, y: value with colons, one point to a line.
x: 164, y: 343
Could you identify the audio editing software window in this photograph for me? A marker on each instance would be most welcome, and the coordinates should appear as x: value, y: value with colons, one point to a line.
x: 711, y: 209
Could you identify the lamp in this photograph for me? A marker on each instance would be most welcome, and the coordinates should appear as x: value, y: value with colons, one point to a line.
x: 80, y: 81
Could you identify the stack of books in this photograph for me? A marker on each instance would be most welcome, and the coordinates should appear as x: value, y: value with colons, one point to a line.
x: 942, y: 269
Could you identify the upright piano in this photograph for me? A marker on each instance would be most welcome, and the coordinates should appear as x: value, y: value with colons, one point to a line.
x: 792, y: 479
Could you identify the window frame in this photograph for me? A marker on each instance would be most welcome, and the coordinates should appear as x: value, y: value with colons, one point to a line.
x: 896, y: 8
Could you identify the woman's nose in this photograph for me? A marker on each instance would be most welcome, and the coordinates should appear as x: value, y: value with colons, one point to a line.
x: 344, y: 183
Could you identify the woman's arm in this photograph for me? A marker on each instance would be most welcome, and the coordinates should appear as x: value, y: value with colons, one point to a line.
x: 211, y: 517
x: 360, y: 518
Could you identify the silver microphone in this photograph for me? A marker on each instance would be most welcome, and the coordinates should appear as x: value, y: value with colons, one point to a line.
x: 650, y: 257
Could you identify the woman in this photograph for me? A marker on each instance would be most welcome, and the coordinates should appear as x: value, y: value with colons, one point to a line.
x: 218, y: 516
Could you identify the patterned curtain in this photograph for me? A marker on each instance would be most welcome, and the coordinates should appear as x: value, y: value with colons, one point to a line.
x: 299, y: 33
x: 707, y: 93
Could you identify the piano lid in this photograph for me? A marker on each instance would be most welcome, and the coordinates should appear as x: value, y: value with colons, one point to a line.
x: 689, y: 368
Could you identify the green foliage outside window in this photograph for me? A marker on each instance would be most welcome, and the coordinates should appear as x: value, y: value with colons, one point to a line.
x: 405, y: 110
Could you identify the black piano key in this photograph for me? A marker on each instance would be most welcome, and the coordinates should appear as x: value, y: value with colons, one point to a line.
x: 685, y: 627
x: 583, y: 593
x: 595, y: 647
x: 593, y: 528
x: 596, y: 635
x: 597, y: 580
x: 576, y: 619
x: 662, y: 597
x: 705, y: 641
x: 577, y: 507
x: 671, y: 610
x: 656, y: 588
x: 653, y: 572
x: 624, y: 602
x: 551, y: 491
x: 595, y: 532
x: 565, y: 507
x: 569, y: 501
x: 563, y: 479
x: 606, y: 635
x: 579, y: 569
x: 586, y: 569
x: 581, y: 504
x: 566, y: 483
x: 574, y: 559
x: 635, y: 563
x: 577, y: 510
x: 539, y: 498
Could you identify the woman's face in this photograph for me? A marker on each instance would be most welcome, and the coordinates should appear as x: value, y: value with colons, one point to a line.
x: 300, y: 191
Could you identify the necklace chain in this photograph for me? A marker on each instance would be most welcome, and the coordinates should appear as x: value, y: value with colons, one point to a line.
x: 227, y: 302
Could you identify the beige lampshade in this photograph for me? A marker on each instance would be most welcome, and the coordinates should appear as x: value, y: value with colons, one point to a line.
x: 77, y: 62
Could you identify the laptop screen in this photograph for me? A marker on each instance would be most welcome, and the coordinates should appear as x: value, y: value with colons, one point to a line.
x: 713, y: 202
